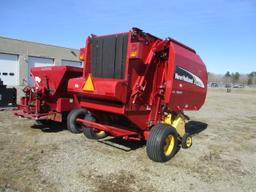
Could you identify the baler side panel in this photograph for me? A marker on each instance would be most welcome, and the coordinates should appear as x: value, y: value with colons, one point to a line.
x: 189, y: 80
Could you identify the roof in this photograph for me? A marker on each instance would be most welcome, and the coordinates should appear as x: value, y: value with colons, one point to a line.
x: 38, y: 43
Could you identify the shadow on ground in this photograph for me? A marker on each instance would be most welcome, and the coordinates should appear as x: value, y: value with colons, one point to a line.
x: 122, y: 144
x: 50, y: 127
x: 192, y: 127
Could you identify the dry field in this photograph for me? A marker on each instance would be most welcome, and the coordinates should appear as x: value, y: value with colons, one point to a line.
x: 222, y: 158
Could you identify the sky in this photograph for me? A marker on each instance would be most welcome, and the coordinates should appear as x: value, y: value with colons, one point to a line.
x: 223, y: 32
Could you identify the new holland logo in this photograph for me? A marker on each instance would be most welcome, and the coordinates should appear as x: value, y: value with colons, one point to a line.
x: 184, y: 75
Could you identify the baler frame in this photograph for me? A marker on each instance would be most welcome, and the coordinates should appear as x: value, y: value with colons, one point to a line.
x: 158, y: 48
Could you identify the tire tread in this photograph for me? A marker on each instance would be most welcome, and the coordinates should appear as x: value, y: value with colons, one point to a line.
x: 155, y: 141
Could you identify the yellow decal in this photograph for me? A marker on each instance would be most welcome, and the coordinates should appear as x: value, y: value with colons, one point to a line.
x: 88, y: 86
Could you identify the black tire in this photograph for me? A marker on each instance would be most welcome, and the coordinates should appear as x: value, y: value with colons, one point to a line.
x: 72, y: 125
x: 186, y: 141
x: 156, y: 143
x: 92, y: 133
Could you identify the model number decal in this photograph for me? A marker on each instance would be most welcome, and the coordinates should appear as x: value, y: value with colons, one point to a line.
x: 184, y: 75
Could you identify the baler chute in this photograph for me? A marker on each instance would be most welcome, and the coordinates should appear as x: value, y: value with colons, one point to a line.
x: 137, y: 86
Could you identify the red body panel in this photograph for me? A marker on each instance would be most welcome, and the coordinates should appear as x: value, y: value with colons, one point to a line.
x: 108, y: 89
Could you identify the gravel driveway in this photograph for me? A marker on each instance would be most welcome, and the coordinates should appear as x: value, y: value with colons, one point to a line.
x: 222, y: 158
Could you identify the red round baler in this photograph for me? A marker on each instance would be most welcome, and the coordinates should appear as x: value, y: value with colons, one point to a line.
x: 137, y: 86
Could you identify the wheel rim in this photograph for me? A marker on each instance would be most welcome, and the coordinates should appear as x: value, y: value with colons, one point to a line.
x: 168, y: 145
x: 189, y: 141
x: 100, y: 133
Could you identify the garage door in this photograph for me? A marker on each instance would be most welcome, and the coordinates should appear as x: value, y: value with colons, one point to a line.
x: 71, y: 63
x: 38, y: 62
x: 9, y: 69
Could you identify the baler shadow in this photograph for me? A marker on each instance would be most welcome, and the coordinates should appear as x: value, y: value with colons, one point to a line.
x: 195, y: 127
x: 122, y: 144
x: 50, y: 127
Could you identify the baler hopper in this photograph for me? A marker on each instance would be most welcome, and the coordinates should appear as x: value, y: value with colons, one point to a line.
x: 137, y: 86
x: 48, y: 98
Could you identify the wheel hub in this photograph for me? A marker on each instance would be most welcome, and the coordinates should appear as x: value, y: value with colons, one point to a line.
x: 189, y: 141
x: 168, y: 145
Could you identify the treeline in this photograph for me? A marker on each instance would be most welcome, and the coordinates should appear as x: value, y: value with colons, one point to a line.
x: 234, y: 78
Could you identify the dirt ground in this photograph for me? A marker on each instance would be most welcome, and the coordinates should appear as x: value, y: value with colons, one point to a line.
x: 222, y: 158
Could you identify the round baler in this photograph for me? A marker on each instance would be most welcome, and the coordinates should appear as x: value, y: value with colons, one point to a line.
x: 137, y: 86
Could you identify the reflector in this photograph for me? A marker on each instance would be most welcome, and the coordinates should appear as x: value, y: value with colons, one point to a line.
x: 88, y: 86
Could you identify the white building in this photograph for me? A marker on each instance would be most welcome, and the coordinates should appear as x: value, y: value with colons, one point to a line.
x: 18, y: 56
